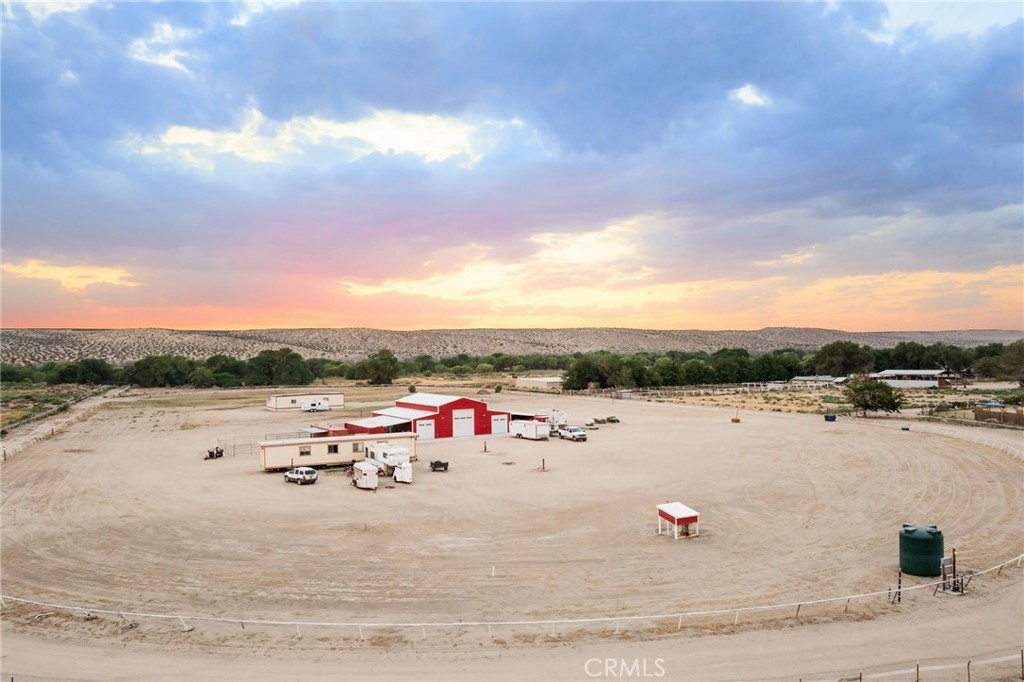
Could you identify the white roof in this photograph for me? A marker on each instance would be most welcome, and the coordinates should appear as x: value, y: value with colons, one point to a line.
x: 352, y: 437
x: 910, y: 373
x: 374, y: 422
x: 677, y: 510
x: 430, y: 399
x: 404, y: 413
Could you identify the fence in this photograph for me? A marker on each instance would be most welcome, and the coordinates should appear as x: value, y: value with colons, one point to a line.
x: 658, y: 624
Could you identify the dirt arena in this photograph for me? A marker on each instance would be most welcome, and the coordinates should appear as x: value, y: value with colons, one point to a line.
x: 120, y: 513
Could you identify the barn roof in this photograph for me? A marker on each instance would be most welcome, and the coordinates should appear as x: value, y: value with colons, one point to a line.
x: 429, y: 399
x: 405, y: 413
x: 377, y: 421
x: 910, y: 373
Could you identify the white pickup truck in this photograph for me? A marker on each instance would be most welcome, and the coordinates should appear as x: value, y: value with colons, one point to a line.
x: 572, y: 433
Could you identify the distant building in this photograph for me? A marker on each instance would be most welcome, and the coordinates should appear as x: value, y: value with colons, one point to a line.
x: 539, y: 383
x: 818, y: 380
x: 915, y: 378
x: 295, y: 401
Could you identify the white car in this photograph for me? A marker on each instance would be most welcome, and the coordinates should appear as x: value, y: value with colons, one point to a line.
x: 300, y: 475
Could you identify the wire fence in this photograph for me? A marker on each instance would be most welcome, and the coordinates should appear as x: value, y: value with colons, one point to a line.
x: 554, y: 624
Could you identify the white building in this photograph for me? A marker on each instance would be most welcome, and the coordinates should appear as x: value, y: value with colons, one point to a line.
x: 294, y: 401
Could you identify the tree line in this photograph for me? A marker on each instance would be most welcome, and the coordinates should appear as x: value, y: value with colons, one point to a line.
x: 599, y: 369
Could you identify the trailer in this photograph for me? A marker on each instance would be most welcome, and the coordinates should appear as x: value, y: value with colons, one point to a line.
x: 554, y: 418
x: 386, y: 456
x: 403, y: 472
x: 364, y: 475
x: 530, y: 429
x: 322, y: 405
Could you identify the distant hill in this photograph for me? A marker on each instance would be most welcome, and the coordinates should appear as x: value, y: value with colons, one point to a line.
x: 119, y: 346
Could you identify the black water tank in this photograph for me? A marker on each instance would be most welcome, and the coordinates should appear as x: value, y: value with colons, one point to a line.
x: 921, y: 550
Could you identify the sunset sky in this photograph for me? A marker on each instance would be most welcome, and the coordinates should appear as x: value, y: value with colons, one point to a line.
x: 854, y: 166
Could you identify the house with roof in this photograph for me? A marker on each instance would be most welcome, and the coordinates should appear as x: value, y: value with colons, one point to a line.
x: 433, y: 415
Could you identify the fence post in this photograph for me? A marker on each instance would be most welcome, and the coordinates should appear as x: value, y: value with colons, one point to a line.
x: 968, y: 670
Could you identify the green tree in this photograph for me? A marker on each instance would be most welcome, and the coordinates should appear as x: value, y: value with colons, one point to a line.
x: 382, y: 367
x: 867, y: 394
x: 94, y: 371
x: 282, y: 367
x: 844, y: 358
x: 202, y: 377
x: 581, y: 374
x: 1012, y: 362
x: 695, y: 371
x: 668, y: 370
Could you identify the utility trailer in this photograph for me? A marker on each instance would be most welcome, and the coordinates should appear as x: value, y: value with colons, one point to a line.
x: 530, y: 429
x: 364, y: 475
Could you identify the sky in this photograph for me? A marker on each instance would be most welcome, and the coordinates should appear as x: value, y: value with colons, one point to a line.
x: 730, y: 165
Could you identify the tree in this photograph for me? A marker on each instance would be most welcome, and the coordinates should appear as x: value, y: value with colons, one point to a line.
x: 843, y: 358
x: 581, y: 374
x: 695, y: 372
x: 1012, y: 361
x: 282, y: 367
x: 872, y: 394
x: 202, y: 377
x: 382, y: 367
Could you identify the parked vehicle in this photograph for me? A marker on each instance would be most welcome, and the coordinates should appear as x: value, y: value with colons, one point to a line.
x: 300, y: 475
x: 316, y: 405
x: 613, y: 420
x: 403, y: 472
x: 214, y: 453
x: 364, y: 475
x: 529, y: 429
x: 572, y: 433
x: 387, y: 456
x: 438, y: 465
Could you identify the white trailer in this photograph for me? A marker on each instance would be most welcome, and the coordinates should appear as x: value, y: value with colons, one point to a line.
x: 555, y: 419
x: 322, y: 405
x: 530, y: 429
x: 403, y: 472
x: 386, y: 456
x: 364, y: 475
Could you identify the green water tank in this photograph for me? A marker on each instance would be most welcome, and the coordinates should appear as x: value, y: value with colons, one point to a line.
x: 921, y: 550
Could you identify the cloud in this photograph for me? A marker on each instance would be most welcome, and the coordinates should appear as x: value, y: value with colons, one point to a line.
x: 252, y: 8
x: 161, y: 48
x: 748, y: 94
x: 41, y: 11
x: 432, y: 138
x: 70, y: 277
x: 945, y: 19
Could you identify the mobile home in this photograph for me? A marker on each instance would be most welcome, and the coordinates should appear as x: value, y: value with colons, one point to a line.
x: 288, y: 453
x: 298, y: 401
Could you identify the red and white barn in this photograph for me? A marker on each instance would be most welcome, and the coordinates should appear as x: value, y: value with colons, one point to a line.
x: 676, y: 515
x: 432, y: 415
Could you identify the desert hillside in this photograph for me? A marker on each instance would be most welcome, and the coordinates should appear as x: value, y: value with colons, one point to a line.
x: 118, y: 346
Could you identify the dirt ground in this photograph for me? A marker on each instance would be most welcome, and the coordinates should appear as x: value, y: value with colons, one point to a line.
x: 118, y: 512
